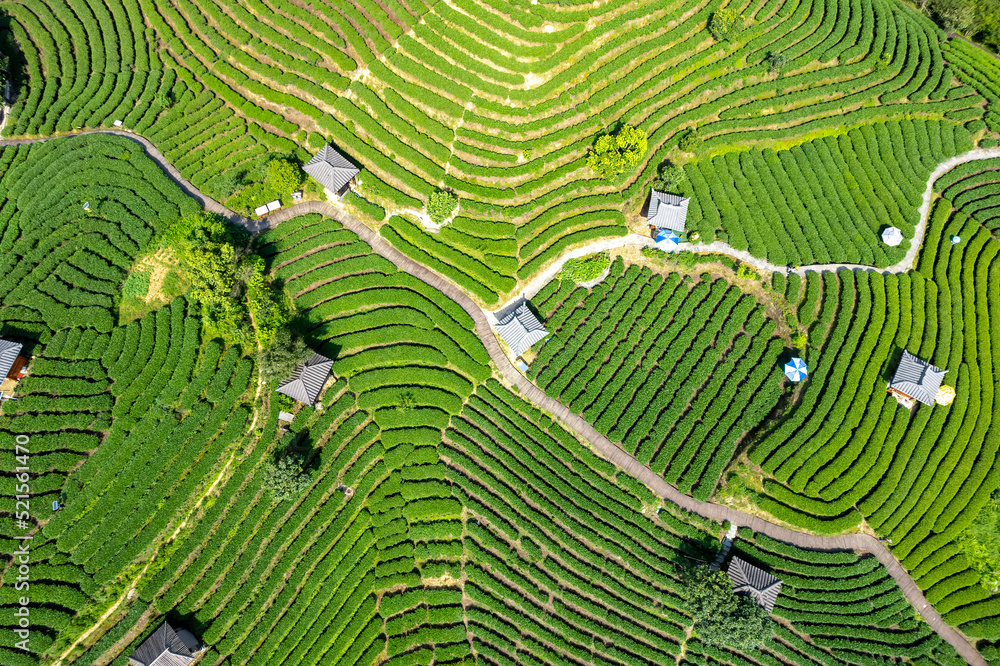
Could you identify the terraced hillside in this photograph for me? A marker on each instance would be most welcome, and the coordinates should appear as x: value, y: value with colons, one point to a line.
x: 492, y: 536
x: 676, y: 372
x: 848, y: 452
x: 425, y: 96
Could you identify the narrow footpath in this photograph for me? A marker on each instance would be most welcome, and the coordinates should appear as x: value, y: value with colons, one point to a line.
x: 856, y: 542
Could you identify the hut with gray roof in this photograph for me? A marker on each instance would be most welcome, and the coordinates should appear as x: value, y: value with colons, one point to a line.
x: 11, y: 360
x: 754, y: 582
x: 308, y: 379
x: 667, y: 211
x: 520, y: 329
x: 916, y: 380
x: 331, y: 170
x: 165, y: 647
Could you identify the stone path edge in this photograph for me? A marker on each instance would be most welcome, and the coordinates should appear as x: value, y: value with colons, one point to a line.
x: 856, y: 542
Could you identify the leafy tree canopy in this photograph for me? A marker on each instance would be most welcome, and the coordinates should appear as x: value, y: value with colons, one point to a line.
x: 669, y: 177
x: 278, y: 359
x: 726, y: 24
x: 285, y: 478
x: 612, y: 154
x: 204, y: 246
x: 722, y: 617
x: 981, y: 544
x: 441, y: 205
x: 283, y: 176
x: 690, y: 140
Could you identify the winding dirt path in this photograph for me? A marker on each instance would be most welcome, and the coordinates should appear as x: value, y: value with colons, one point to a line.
x: 637, y: 240
x: 857, y: 542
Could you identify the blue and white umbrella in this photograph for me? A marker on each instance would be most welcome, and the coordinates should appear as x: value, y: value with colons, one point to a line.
x: 668, y: 236
x: 955, y: 240
x: 796, y: 369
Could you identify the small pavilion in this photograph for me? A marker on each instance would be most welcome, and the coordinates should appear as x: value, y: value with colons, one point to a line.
x: 308, y: 379
x: 754, y: 582
x: 165, y: 647
x: 667, y: 211
x: 915, y: 380
x: 520, y: 329
x: 331, y: 170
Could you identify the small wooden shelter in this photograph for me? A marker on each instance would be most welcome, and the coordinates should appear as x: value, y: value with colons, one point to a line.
x: 164, y: 647
x: 308, y: 379
x: 753, y: 581
x: 520, y: 329
x: 331, y: 170
x: 667, y: 211
x: 915, y: 380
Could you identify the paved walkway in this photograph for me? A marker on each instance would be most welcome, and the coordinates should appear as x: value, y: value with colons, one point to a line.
x: 637, y: 240
x: 856, y: 542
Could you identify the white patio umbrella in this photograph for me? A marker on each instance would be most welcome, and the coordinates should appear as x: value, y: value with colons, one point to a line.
x: 796, y: 369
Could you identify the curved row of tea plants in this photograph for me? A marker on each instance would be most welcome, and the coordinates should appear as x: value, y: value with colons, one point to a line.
x: 423, y: 98
x: 848, y: 451
x: 75, y: 215
x: 675, y: 371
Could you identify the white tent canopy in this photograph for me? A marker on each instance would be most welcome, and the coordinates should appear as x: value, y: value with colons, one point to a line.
x: 892, y: 236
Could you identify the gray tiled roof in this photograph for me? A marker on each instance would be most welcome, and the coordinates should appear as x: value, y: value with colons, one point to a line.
x: 917, y: 379
x: 331, y: 169
x: 755, y: 582
x: 520, y: 329
x: 9, y: 352
x: 163, y: 648
x: 667, y: 211
x: 307, y: 380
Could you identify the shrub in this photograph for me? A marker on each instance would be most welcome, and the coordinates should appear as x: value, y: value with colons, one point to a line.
x: 726, y: 24
x: 441, y: 205
x: 612, y: 154
x: 285, y: 479
x: 585, y: 269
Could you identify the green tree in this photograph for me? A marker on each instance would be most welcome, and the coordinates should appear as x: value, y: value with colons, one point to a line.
x: 283, y: 176
x: 278, y: 359
x: 669, y: 177
x: 612, y: 154
x: 441, y: 205
x: 776, y: 61
x: 690, y: 140
x: 722, y: 617
x: 285, y: 478
x: 204, y: 246
x: 726, y: 24
x: 746, y: 272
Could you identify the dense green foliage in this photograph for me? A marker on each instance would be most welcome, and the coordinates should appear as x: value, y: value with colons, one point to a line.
x: 722, y: 617
x: 613, y: 154
x: 824, y: 201
x: 847, y: 451
x: 585, y: 269
x: 285, y: 479
x: 675, y: 371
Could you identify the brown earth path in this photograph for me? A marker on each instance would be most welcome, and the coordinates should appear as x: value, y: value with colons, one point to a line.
x: 856, y: 542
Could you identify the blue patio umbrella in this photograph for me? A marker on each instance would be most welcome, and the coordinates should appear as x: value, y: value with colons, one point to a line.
x: 796, y: 369
x: 667, y: 235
